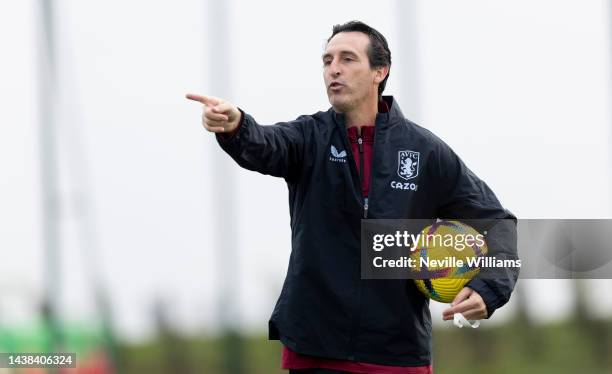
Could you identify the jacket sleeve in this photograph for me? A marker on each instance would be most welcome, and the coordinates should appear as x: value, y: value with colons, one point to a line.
x: 275, y: 150
x: 462, y: 195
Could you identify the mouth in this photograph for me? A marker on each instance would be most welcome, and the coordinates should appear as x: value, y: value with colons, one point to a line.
x: 334, y: 86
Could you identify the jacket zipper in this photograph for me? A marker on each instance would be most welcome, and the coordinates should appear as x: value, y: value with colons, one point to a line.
x: 355, y: 324
x: 362, y: 175
x: 366, y: 200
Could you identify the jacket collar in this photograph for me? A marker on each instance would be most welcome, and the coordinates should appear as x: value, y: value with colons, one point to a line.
x: 383, y: 119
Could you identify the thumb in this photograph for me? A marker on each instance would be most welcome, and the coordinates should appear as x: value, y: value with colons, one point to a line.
x: 206, y: 100
x: 462, y: 295
x: 224, y: 107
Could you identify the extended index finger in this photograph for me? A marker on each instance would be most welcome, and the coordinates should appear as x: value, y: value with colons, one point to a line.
x: 206, y: 100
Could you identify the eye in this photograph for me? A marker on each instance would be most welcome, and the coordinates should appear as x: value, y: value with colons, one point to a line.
x: 348, y: 59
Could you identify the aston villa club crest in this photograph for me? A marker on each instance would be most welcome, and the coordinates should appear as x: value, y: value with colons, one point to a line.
x: 408, y: 164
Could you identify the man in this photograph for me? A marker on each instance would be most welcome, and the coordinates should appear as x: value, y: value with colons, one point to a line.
x: 340, y: 166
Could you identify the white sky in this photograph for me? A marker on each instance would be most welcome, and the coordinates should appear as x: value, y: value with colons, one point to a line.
x: 520, y: 89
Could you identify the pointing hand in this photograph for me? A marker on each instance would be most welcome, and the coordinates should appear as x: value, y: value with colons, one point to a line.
x: 219, y: 115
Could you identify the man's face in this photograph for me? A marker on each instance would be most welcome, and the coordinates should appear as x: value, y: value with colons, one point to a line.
x: 349, y: 80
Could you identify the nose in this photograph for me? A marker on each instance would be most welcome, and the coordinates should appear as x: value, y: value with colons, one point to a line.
x: 335, y: 68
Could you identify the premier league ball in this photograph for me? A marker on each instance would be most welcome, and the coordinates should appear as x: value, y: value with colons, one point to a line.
x: 446, y: 258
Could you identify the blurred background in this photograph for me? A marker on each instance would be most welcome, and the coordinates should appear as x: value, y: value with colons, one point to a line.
x: 129, y: 237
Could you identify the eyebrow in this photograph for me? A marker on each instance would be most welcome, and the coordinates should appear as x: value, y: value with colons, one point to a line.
x: 345, y: 52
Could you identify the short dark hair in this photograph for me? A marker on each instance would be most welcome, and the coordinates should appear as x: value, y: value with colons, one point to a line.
x: 378, y: 50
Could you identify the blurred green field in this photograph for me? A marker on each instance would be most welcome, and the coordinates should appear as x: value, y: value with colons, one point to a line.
x: 575, y: 346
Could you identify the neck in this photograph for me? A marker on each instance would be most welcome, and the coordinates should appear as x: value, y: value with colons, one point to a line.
x: 363, y: 115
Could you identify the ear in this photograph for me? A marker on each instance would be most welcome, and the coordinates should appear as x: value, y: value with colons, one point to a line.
x: 380, y: 74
